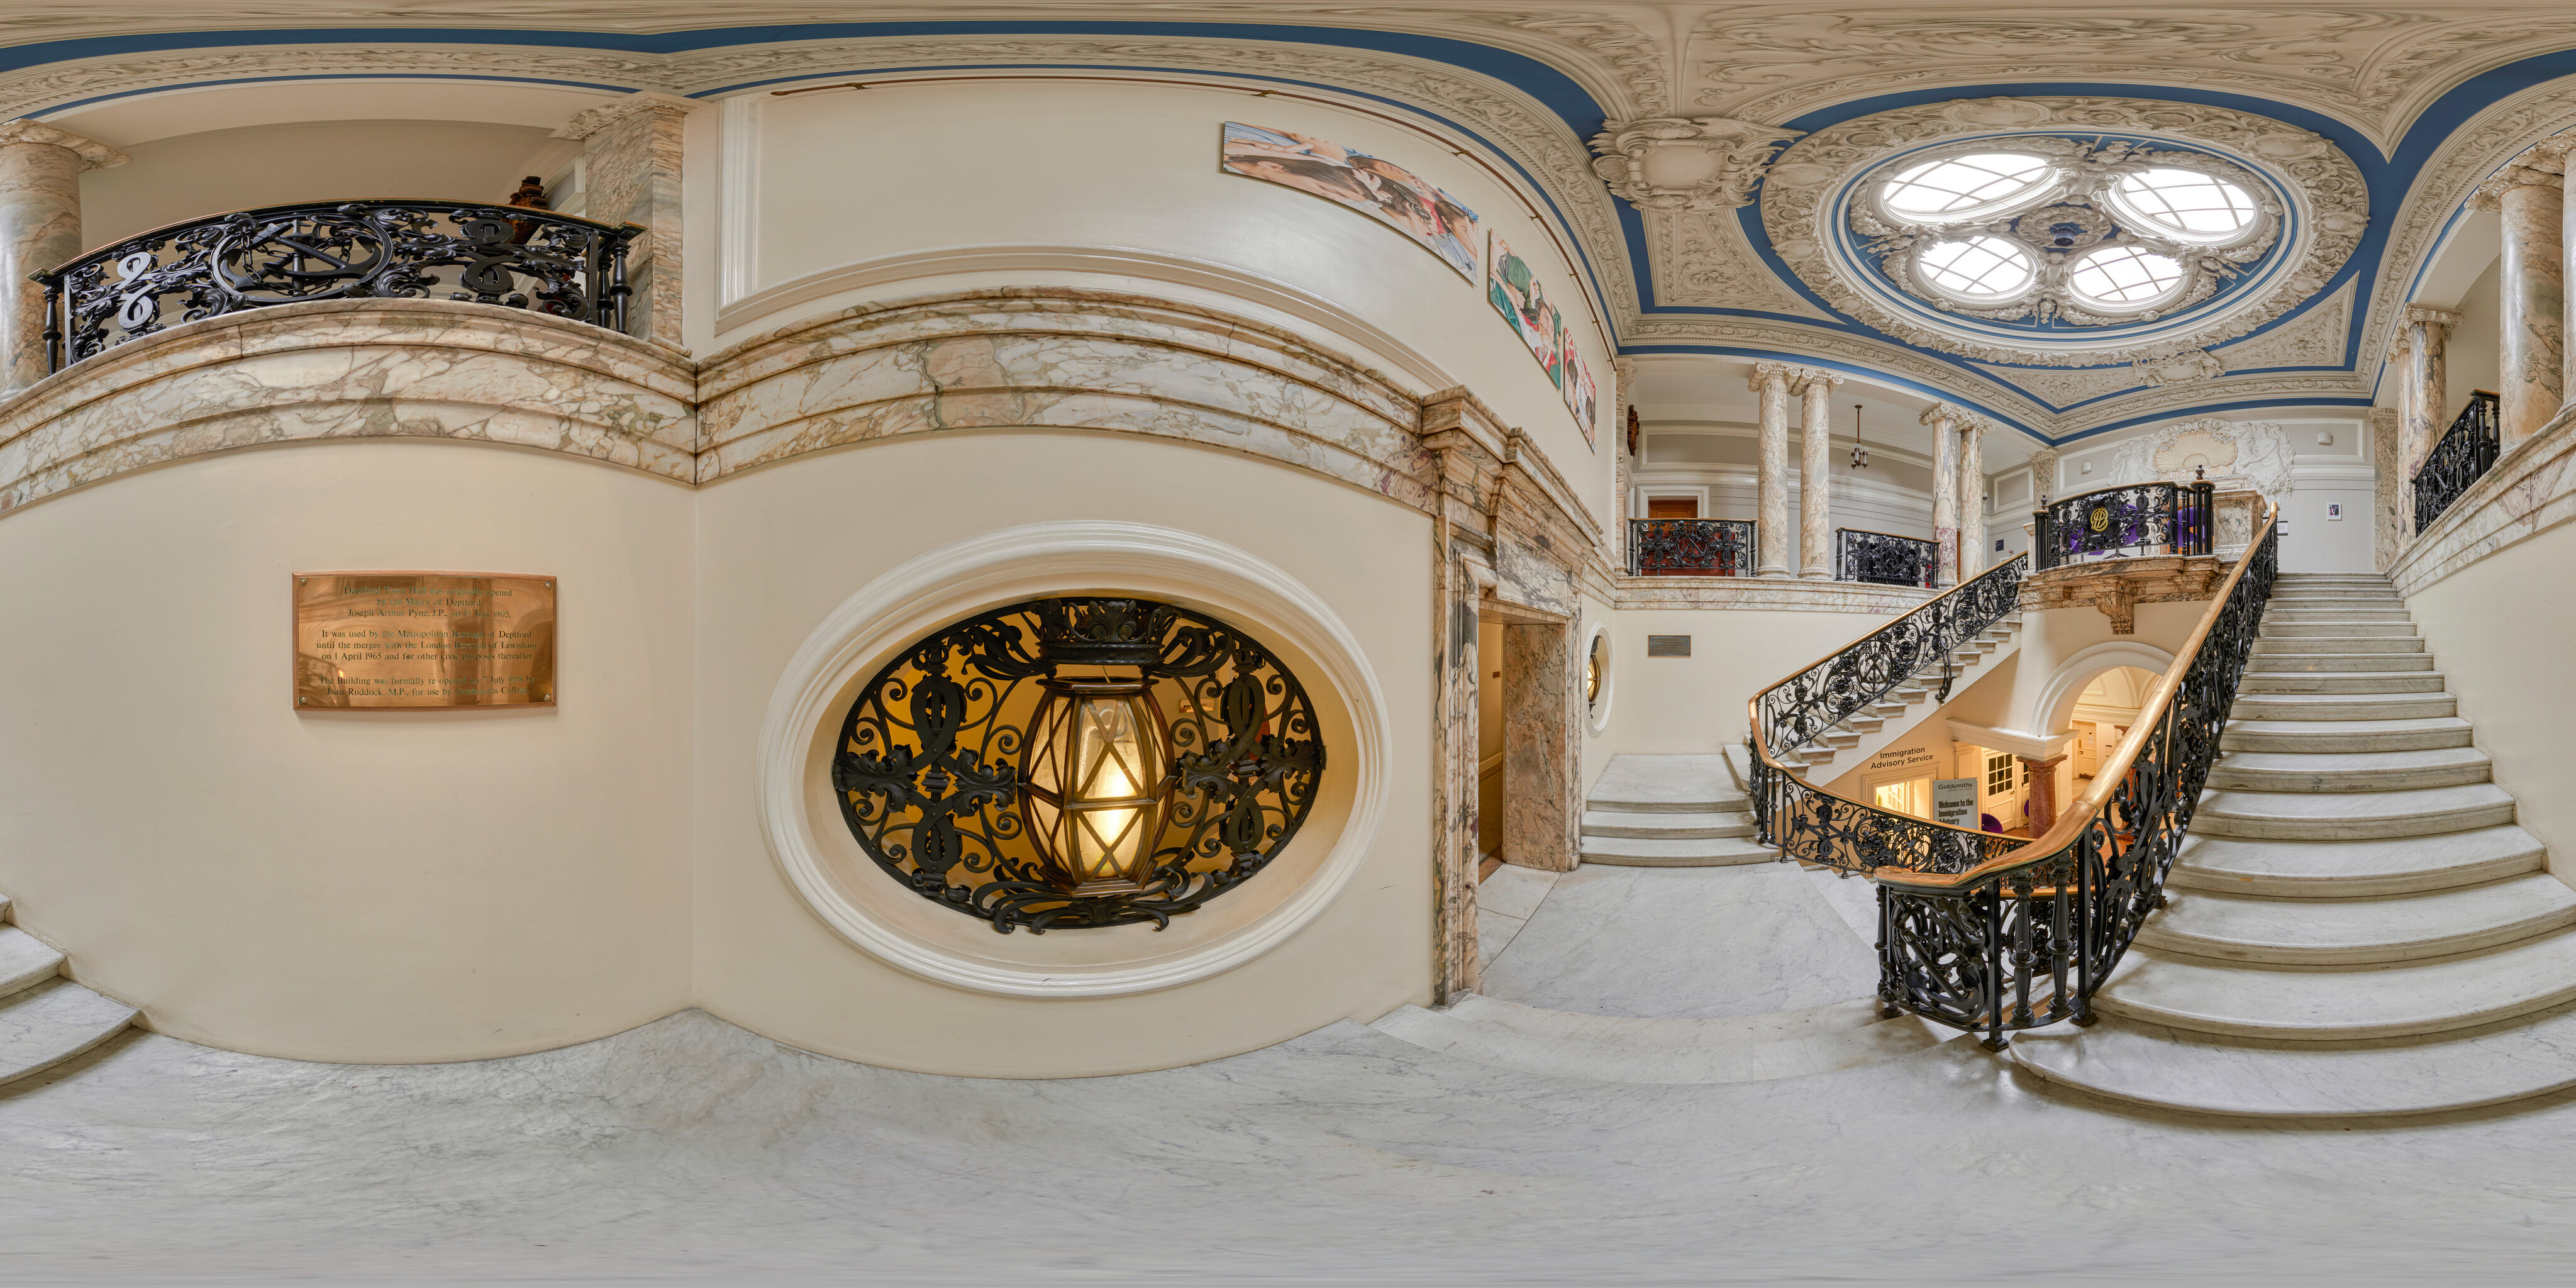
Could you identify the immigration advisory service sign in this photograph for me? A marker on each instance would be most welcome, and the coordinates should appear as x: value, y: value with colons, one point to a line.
x: 423, y: 640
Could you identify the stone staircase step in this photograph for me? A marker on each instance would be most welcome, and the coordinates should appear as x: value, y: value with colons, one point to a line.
x: 2309, y: 645
x: 2423, y: 734
x: 2405, y: 999
x: 2353, y: 869
x: 1674, y: 826
x: 2150, y: 1064
x: 1666, y: 785
x: 2331, y: 629
x: 2350, y: 771
x: 2294, y: 612
x: 2290, y: 816
x: 1647, y: 852
x: 2344, y: 932
x: 42, y: 1026
x: 2343, y: 706
x: 2308, y: 663
x: 1662, y: 1051
x: 25, y: 960
x: 2335, y: 595
x: 2341, y: 682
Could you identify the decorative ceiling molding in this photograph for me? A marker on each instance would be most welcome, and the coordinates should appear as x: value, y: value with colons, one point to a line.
x: 1702, y: 260
x: 2315, y: 339
x: 2069, y: 387
x: 1731, y: 157
x: 1869, y: 353
x: 1802, y: 221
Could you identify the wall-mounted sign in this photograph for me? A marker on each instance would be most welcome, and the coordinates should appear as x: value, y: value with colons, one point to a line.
x: 421, y: 640
x: 1668, y: 646
x: 1954, y: 801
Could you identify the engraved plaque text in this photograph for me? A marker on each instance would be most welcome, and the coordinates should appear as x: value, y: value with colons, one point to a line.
x: 423, y: 640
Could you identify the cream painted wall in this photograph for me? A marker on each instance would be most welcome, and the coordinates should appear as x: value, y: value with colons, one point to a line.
x: 780, y: 547
x: 1695, y: 705
x: 2473, y: 351
x: 1030, y: 163
x: 1597, y: 748
x: 2498, y: 631
x: 370, y: 886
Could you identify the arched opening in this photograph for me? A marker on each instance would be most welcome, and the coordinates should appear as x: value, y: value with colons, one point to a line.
x: 2105, y: 710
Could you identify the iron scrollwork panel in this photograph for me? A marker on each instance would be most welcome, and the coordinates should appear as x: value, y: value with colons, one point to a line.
x: 2141, y: 519
x: 1883, y: 559
x: 516, y: 256
x: 2463, y: 456
x: 1690, y: 547
x: 929, y: 764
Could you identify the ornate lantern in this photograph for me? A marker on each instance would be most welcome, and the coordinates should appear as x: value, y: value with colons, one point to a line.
x: 1094, y: 789
x: 1860, y: 453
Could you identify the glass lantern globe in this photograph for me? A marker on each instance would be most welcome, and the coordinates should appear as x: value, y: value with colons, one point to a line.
x: 1093, y: 789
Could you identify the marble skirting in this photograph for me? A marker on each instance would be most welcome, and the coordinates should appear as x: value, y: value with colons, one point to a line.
x: 1768, y: 593
x: 2530, y: 489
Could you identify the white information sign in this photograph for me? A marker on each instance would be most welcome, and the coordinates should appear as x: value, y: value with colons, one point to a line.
x: 1954, y: 801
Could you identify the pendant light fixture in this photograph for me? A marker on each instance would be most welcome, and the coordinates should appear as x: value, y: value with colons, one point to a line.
x: 1860, y: 452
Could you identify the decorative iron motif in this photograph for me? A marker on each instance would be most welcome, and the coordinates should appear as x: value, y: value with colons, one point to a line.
x: 1814, y: 825
x: 2129, y: 521
x: 1883, y: 558
x: 2028, y: 939
x: 933, y: 753
x: 517, y: 256
x: 2463, y: 455
x: 1690, y: 547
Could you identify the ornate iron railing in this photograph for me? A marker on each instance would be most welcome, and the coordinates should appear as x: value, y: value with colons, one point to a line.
x: 1820, y: 827
x: 1883, y: 558
x: 2460, y: 458
x: 2127, y: 521
x: 1982, y: 932
x: 510, y: 255
x: 1690, y: 547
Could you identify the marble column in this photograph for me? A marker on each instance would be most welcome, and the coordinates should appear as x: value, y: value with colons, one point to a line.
x: 1771, y: 381
x: 40, y: 229
x: 633, y: 148
x: 1973, y: 542
x: 2043, y: 792
x: 2531, y: 287
x: 2426, y: 386
x: 1816, y: 477
x: 2043, y: 475
x: 1944, y: 420
x: 2396, y: 517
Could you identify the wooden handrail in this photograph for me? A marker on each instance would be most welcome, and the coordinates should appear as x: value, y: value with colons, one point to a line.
x: 2150, y: 724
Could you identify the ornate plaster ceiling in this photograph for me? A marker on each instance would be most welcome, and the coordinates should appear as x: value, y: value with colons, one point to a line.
x: 2396, y: 89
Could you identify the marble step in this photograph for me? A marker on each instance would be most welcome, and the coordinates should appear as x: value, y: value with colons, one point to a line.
x: 2308, y: 646
x: 2294, y: 816
x: 2333, y: 594
x: 2341, y: 682
x: 2422, y: 734
x: 1649, y: 852
x: 1666, y: 785
x: 2261, y: 663
x: 2273, y: 630
x: 42, y: 1026
x: 2294, y: 611
x: 2342, y: 706
x: 1673, y: 826
x: 2404, y: 999
x: 2354, y: 869
x: 2350, y: 771
x: 2150, y: 1064
x: 2348, y: 932
x: 25, y: 960
x: 1662, y: 1051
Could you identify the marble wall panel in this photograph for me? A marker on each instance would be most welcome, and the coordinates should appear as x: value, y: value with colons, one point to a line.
x: 1540, y: 748
x: 2530, y: 489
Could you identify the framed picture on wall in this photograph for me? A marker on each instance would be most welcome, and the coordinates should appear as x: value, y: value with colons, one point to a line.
x: 1373, y: 186
x: 1514, y: 292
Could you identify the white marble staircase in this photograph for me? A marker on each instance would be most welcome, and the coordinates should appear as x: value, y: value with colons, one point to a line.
x: 1669, y: 812
x: 2357, y: 926
x: 1873, y: 729
x: 44, y: 1018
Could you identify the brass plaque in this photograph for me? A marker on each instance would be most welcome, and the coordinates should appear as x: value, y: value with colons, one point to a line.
x: 423, y: 640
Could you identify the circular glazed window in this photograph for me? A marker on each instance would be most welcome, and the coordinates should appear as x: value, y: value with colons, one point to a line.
x: 2187, y: 205
x: 2125, y: 275
x: 1966, y: 183
x: 1078, y: 762
x: 1596, y: 665
x: 1979, y: 267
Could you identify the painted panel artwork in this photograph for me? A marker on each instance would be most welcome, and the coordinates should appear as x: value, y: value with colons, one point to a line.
x: 1374, y: 186
x: 1582, y: 396
x: 1515, y: 293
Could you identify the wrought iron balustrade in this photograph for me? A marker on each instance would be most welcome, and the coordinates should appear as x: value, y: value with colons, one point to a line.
x: 2461, y: 457
x: 517, y: 256
x: 2128, y: 521
x: 1690, y: 547
x: 1990, y: 934
x: 1883, y: 558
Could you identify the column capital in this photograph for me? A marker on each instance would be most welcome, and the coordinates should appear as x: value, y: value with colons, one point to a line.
x: 1804, y: 378
x: 2429, y: 316
x: 1940, y: 412
x: 591, y: 121
x: 94, y: 155
x: 2533, y: 169
x: 1766, y: 372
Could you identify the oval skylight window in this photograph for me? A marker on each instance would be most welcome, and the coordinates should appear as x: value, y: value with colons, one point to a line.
x: 1964, y: 183
x: 2188, y: 205
x: 2125, y: 275
x: 1981, y: 267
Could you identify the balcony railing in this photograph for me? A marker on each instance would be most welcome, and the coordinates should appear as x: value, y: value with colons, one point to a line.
x: 1690, y: 547
x: 2126, y: 522
x: 509, y: 255
x: 2459, y: 459
x: 1882, y: 558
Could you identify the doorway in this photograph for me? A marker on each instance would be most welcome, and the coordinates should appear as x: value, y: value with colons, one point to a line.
x: 1672, y: 507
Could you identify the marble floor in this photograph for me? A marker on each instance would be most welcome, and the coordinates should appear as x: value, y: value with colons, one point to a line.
x: 693, y: 1151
